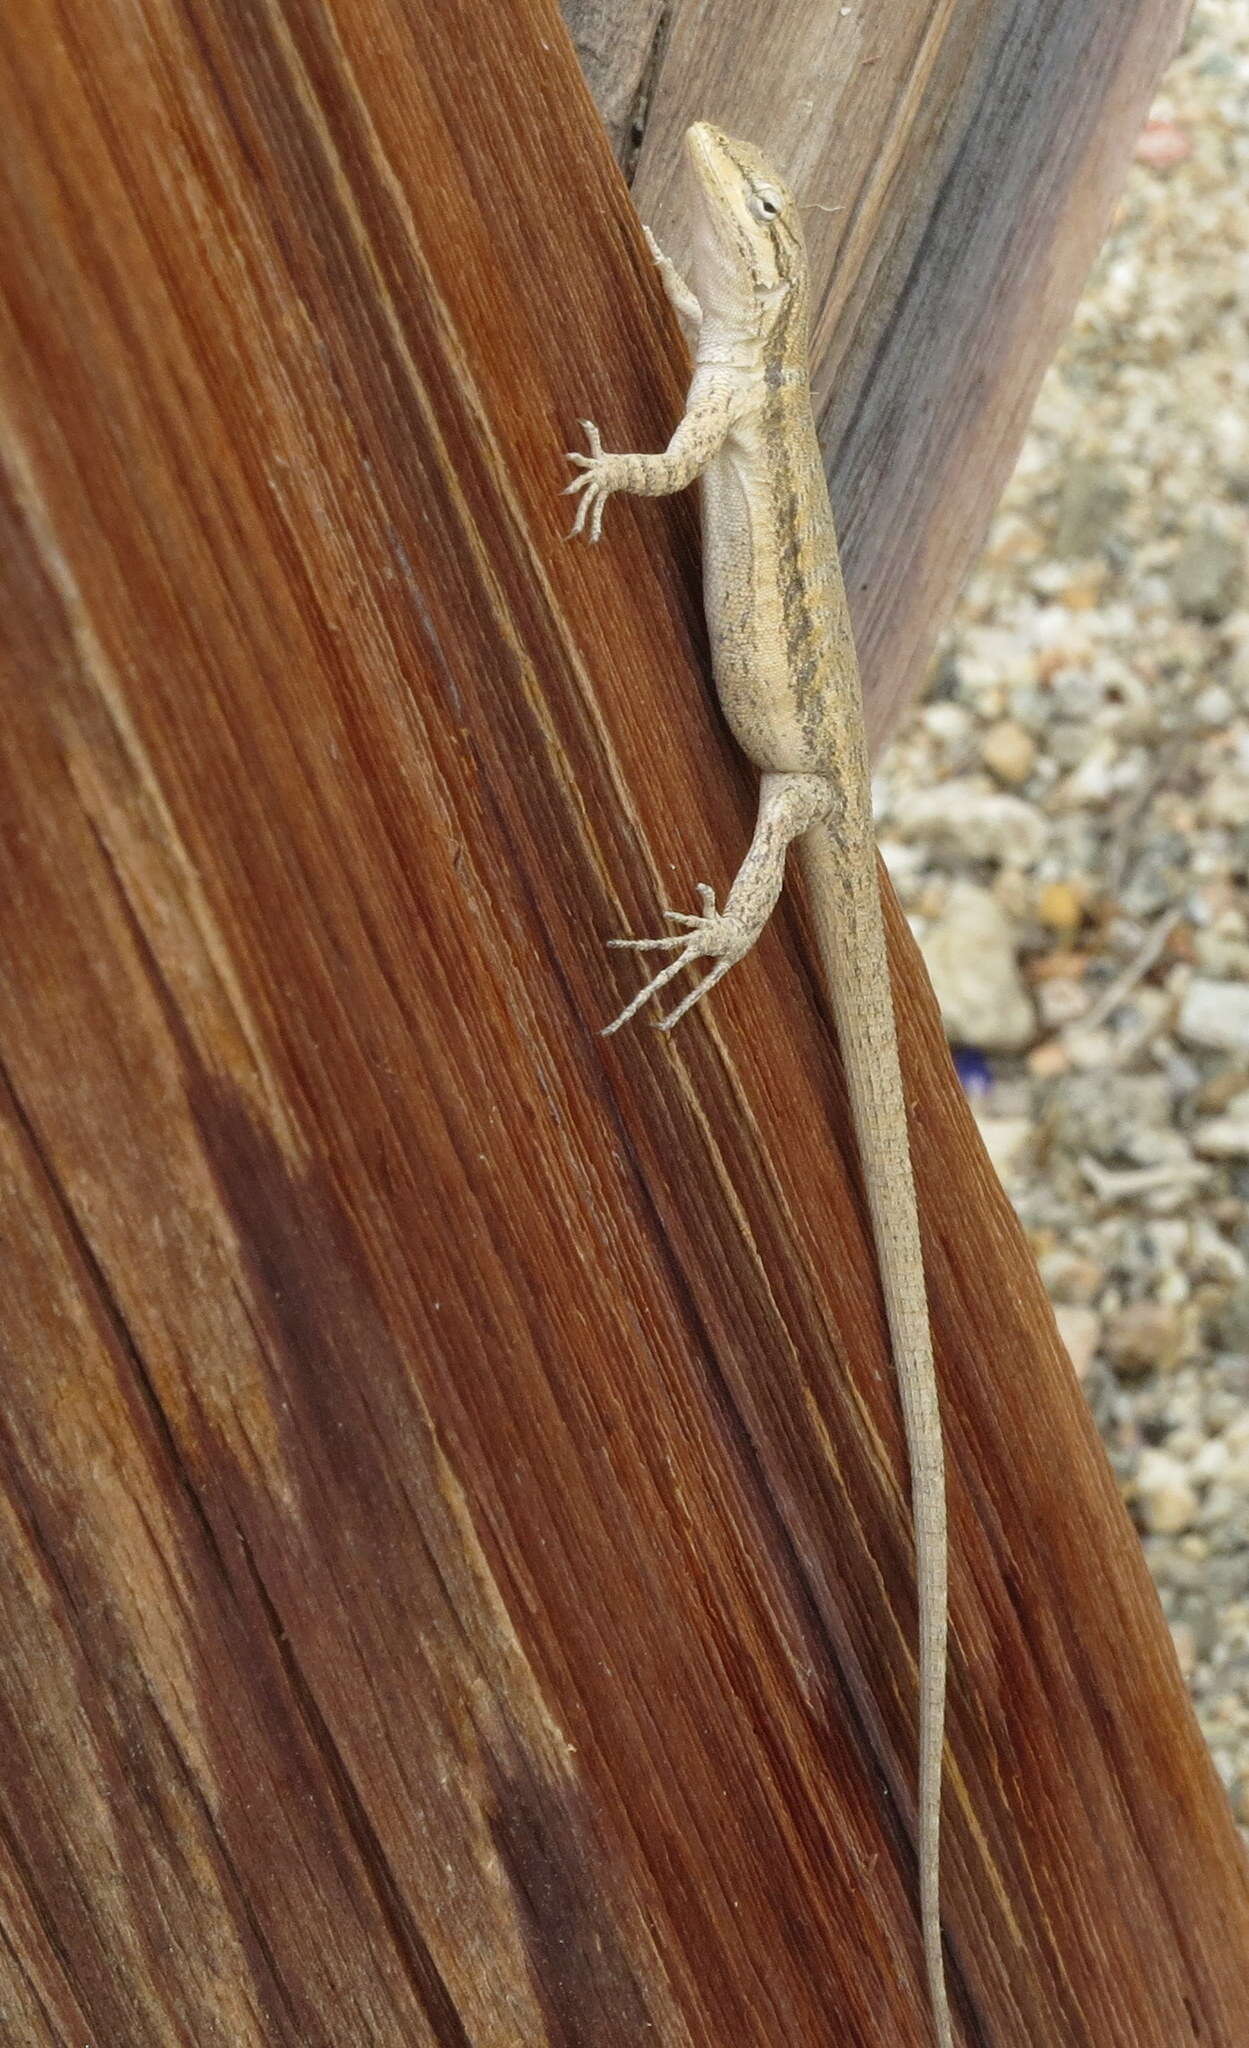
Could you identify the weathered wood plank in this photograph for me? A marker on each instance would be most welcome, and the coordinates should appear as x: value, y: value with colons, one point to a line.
x: 618, y: 43
x: 961, y: 162
x: 456, y: 1577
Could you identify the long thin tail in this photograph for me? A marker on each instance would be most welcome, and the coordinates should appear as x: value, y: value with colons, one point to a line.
x: 845, y: 901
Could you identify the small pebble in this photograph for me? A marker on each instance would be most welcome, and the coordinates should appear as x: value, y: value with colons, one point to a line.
x: 1225, y: 1094
x: 1215, y: 1014
x: 1162, y: 145
x: 1080, y: 1329
x: 1223, y: 1137
x: 1060, y: 905
x: 1143, y: 1337
x: 1213, y: 707
x: 1105, y: 771
x: 1071, y: 1280
x: 1166, y: 1502
x: 1210, y: 1461
x: 1092, y: 498
x: 1227, y: 1321
x: 1063, y: 964
x: 1089, y: 1051
x: 1061, y: 1000
x: 1009, y: 750
x: 1185, y: 1641
x: 970, y: 955
x: 1006, y: 1139
x: 1208, y: 574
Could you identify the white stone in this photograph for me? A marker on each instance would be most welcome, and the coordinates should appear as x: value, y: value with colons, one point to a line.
x: 1089, y: 1051
x: 1157, y: 1145
x: 1104, y: 772
x: 1214, y: 1256
x: 1214, y: 707
x: 1005, y: 1140
x: 1215, y: 1014
x: 1061, y: 1000
x: 1167, y: 1502
x: 964, y: 817
x: 1225, y: 799
x: 1070, y: 1278
x: 1211, y: 1460
x: 1185, y: 1648
x: 1223, y: 1137
x: 949, y: 723
x: 1080, y: 1329
x: 970, y: 954
x: 905, y: 863
x: 1236, y: 1437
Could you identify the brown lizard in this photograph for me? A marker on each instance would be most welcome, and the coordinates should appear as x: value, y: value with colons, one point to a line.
x: 788, y: 682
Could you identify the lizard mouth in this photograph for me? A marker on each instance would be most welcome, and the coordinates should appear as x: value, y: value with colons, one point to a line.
x: 705, y: 145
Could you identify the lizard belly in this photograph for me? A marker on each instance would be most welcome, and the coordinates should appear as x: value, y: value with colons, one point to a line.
x: 769, y: 610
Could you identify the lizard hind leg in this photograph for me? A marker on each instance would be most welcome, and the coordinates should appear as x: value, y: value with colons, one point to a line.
x: 788, y: 806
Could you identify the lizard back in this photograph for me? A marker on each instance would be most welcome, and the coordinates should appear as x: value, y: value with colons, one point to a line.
x: 784, y: 658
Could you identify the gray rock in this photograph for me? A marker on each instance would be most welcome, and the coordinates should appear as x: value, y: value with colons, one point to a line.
x: 1208, y: 574
x: 1227, y: 1323
x: 1166, y: 1502
x: 1215, y: 1014
x: 1091, y: 500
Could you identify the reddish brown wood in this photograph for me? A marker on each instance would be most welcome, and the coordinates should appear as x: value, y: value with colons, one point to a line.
x: 457, y: 1577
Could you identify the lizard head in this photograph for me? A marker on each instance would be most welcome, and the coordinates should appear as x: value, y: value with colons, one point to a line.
x: 749, y: 251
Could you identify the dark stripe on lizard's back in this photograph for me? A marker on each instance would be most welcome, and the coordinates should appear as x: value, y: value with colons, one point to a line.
x: 790, y: 481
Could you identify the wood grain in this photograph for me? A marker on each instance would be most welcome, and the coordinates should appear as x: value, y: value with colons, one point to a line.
x: 961, y: 161
x: 457, y: 1575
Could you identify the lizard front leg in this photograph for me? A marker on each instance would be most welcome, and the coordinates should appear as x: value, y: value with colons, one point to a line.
x: 788, y: 806
x: 702, y: 430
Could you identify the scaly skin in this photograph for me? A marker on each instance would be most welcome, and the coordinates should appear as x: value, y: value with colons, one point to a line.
x: 788, y: 681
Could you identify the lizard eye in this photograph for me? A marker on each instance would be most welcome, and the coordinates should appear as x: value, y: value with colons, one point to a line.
x: 764, y: 204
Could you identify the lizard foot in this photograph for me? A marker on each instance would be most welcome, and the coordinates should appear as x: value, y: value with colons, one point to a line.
x: 715, y: 935
x: 677, y: 292
x: 601, y: 475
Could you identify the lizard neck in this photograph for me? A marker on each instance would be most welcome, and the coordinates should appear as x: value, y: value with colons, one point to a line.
x: 758, y: 338
x: 761, y: 336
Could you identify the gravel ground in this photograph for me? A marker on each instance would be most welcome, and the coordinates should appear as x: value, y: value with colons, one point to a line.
x: 1067, y: 822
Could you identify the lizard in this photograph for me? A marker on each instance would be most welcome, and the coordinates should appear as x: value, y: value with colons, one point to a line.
x: 787, y: 678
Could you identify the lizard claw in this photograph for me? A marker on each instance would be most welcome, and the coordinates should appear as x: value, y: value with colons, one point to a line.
x: 700, y: 989
x: 719, y: 936
x: 586, y: 461
x: 600, y: 476
x: 706, y: 896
